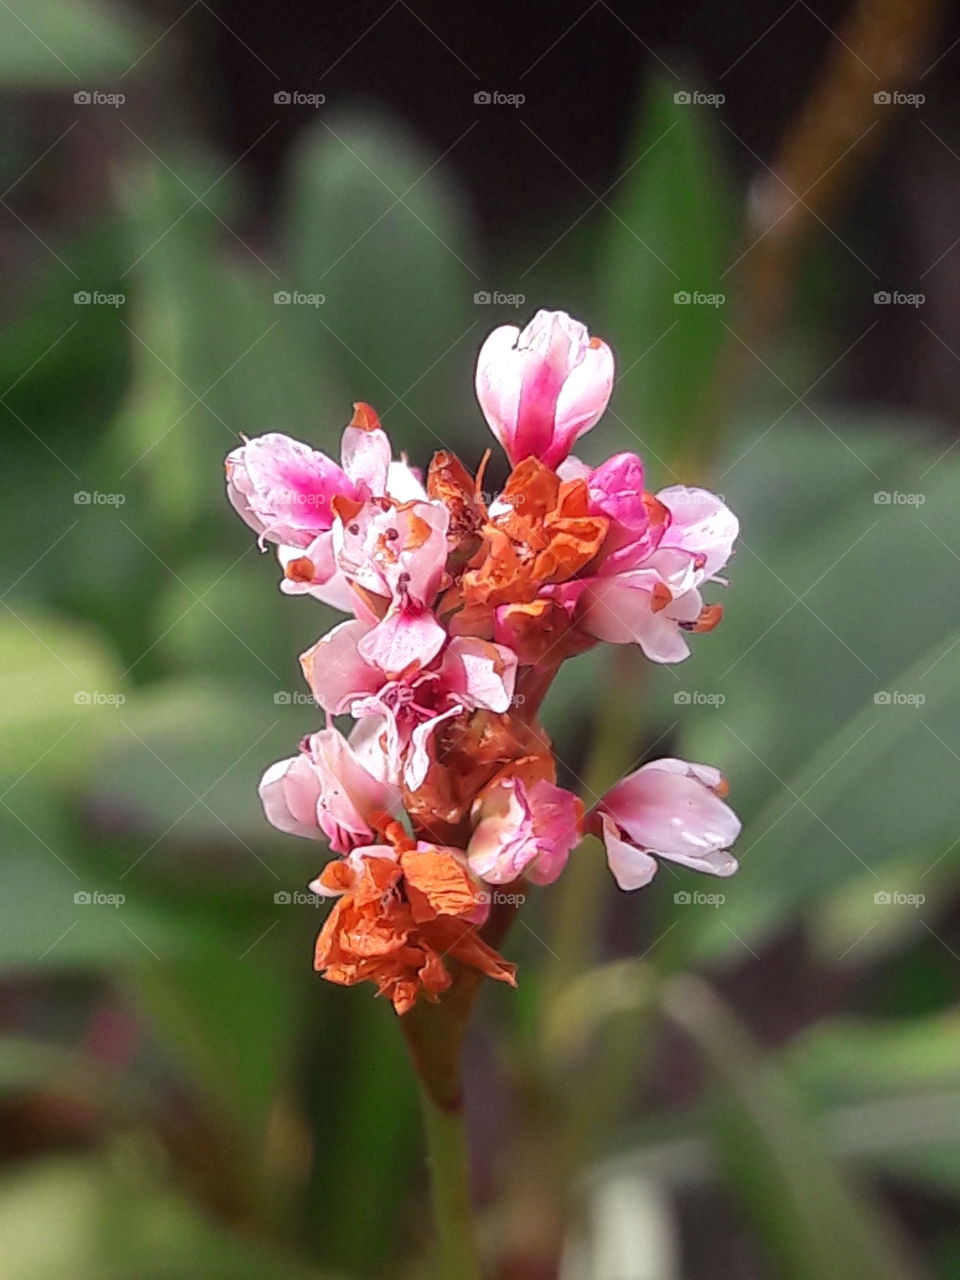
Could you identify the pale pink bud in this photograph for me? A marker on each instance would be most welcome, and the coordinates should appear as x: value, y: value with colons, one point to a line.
x: 542, y: 388
x: 523, y: 830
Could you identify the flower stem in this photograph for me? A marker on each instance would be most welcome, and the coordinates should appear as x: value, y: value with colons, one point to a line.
x: 583, y: 888
x: 456, y: 1250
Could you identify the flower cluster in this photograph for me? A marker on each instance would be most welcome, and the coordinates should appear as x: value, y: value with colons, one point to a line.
x: 463, y: 607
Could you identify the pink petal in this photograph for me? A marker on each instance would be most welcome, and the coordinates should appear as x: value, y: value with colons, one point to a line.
x: 366, y: 459
x: 335, y: 670
x: 619, y: 610
x: 289, y: 793
x: 478, y: 673
x: 701, y: 524
x: 542, y: 388
x: 284, y: 489
x: 350, y: 797
x: 523, y: 830
x: 630, y: 866
x: 407, y: 635
x: 669, y: 808
x: 421, y: 753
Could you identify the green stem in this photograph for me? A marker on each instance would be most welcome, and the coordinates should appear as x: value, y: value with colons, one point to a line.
x: 581, y: 890
x: 456, y: 1253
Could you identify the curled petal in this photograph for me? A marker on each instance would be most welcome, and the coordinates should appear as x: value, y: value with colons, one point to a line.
x: 479, y: 673
x: 326, y: 791
x: 289, y: 793
x: 524, y: 830
x: 335, y: 670
x: 700, y: 524
x: 283, y: 489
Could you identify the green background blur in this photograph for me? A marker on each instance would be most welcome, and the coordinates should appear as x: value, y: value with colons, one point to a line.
x: 764, y: 1086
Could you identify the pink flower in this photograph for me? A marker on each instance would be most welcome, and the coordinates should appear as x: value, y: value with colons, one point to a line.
x: 523, y: 830
x: 285, y: 491
x: 397, y: 552
x: 660, y: 551
x: 410, y: 704
x: 327, y: 791
x: 672, y: 809
x: 542, y: 388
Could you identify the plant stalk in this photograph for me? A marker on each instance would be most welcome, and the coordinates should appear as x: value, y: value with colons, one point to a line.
x: 448, y: 1157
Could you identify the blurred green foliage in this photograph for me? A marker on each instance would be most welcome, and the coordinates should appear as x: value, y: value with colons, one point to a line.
x: 262, y: 1123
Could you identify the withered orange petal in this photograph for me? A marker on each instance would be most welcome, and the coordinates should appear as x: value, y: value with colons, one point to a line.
x: 436, y: 884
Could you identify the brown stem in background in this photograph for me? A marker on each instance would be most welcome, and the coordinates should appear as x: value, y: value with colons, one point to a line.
x: 878, y: 49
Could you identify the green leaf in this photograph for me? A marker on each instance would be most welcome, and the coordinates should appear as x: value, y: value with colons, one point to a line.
x: 806, y: 1205
x: 112, y: 1214
x: 46, y: 45
x: 376, y: 230
x: 668, y: 239
x: 836, y: 625
x: 892, y: 1089
x: 59, y: 688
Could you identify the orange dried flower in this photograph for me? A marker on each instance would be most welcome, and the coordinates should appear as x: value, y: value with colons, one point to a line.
x: 400, y: 915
